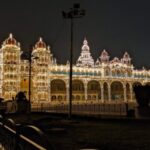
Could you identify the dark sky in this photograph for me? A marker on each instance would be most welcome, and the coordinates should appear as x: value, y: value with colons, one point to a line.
x: 116, y: 25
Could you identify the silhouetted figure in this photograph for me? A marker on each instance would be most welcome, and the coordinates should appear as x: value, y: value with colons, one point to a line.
x: 2, y: 107
x: 23, y: 105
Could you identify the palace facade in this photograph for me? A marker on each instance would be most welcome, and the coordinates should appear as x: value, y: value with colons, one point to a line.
x: 102, y: 81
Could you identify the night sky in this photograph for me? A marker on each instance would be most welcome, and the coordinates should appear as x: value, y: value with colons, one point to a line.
x: 114, y: 25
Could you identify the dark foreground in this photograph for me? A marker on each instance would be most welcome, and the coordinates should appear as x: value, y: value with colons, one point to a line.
x: 102, y: 134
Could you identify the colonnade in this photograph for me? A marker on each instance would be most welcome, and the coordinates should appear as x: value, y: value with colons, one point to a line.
x: 104, y: 93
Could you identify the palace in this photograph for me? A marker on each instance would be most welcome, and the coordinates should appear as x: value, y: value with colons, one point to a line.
x: 102, y: 81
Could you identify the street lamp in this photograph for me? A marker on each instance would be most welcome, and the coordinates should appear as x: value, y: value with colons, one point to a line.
x: 29, y: 57
x: 74, y: 12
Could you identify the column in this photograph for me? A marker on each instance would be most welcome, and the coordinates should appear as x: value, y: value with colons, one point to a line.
x: 131, y: 93
x: 67, y: 91
x: 49, y: 91
x: 102, y: 92
x: 109, y: 93
x: 125, y: 93
x: 85, y: 90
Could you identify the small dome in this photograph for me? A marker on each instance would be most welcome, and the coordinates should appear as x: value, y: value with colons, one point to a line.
x: 126, y: 58
x: 104, y: 57
x: 10, y: 40
x: 85, y: 46
x: 40, y: 44
x: 104, y: 53
x: 126, y: 55
x: 116, y: 59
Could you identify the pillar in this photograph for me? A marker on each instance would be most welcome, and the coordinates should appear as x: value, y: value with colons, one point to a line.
x: 102, y: 92
x: 49, y: 92
x: 67, y: 91
x: 131, y: 93
x: 85, y: 90
x: 109, y: 93
x: 125, y: 92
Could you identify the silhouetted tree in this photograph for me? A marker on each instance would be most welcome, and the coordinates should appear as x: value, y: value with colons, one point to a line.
x: 142, y: 95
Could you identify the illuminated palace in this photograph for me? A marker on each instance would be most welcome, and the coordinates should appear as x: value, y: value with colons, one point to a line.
x: 102, y: 81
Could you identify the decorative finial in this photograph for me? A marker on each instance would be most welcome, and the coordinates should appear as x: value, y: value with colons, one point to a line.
x: 48, y: 47
x: 85, y: 41
x: 40, y: 39
x: 10, y: 35
x: 19, y: 44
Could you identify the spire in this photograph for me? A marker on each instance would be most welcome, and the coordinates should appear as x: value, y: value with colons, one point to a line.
x: 10, y: 35
x: 85, y: 42
x: 40, y: 39
x: 85, y: 46
x: 85, y: 59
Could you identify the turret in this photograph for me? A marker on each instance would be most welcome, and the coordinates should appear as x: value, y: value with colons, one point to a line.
x: 104, y: 57
x: 126, y: 59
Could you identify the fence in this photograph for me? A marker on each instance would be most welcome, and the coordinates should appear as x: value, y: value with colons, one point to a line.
x: 111, y: 109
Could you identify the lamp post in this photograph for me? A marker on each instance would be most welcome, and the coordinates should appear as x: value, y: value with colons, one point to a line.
x: 74, y: 12
x: 30, y: 57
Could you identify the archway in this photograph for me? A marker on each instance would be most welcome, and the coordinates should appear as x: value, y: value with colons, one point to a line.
x: 58, y: 90
x: 93, y: 90
x: 78, y: 90
x: 117, y: 92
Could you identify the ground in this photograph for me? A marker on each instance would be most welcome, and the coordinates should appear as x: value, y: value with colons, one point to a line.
x: 102, y: 134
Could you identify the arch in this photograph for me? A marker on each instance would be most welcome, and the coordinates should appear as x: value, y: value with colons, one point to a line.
x: 60, y: 97
x: 136, y: 83
x: 93, y: 88
x: 77, y: 89
x: 53, y: 98
x: 77, y: 86
x: 89, y: 97
x: 117, y: 92
x: 58, y: 87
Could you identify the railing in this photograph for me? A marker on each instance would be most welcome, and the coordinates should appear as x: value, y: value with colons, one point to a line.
x: 93, y: 108
x: 19, y: 137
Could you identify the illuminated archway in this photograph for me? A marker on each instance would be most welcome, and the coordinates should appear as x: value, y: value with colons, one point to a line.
x: 117, y: 92
x: 78, y: 90
x: 93, y: 90
x: 58, y: 90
